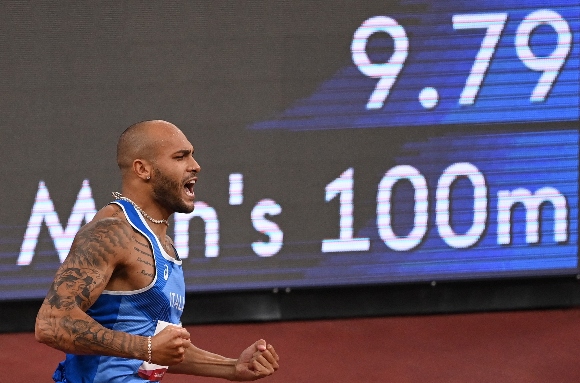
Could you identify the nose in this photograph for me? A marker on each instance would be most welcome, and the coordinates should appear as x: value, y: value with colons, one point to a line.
x: 195, y: 168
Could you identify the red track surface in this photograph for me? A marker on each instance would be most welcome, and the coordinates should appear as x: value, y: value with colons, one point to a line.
x: 525, y: 346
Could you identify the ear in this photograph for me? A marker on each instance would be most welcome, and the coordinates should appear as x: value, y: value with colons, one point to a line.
x: 142, y: 169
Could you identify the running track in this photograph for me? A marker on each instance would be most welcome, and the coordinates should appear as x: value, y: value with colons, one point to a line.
x: 521, y: 346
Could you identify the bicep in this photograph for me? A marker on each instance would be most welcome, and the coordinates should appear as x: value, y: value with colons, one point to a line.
x: 96, y: 251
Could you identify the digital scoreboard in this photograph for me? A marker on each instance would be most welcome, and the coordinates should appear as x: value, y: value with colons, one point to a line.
x: 415, y: 141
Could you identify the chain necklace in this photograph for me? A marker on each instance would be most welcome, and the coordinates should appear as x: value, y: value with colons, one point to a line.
x: 118, y: 195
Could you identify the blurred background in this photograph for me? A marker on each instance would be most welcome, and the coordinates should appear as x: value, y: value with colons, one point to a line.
x: 389, y: 189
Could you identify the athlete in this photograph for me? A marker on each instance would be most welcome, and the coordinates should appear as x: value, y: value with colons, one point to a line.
x: 115, y: 304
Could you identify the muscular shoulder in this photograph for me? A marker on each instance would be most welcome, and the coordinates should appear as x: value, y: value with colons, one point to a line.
x: 110, y: 211
x: 107, y: 238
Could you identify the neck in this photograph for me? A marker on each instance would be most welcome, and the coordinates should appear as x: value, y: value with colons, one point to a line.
x: 159, y: 226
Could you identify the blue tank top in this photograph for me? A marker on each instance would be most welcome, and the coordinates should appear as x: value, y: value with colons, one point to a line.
x: 135, y: 312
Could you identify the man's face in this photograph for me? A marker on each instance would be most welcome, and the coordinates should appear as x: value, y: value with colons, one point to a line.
x: 175, y: 173
x: 70, y: 291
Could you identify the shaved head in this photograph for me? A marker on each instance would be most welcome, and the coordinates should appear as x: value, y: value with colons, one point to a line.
x: 141, y: 141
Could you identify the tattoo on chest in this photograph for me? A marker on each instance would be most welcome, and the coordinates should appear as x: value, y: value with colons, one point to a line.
x: 146, y: 258
x: 139, y: 259
x: 147, y: 253
x: 146, y: 273
x: 142, y: 247
x: 168, y: 249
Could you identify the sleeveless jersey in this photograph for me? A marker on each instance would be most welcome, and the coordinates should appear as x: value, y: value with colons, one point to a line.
x: 135, y: 312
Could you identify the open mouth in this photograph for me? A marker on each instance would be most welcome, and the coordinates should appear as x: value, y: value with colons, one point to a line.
x: 189, y: 188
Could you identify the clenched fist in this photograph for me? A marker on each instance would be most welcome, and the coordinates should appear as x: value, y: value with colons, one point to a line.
x: 168, y: 346
x: 257, y: 361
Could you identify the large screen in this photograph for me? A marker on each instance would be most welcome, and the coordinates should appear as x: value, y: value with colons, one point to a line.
x: 341, y: 143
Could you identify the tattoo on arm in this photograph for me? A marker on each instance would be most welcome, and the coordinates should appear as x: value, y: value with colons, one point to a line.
x: 101, y: 243
x: 91, y: 337
x: 77, y: 284
x: 88, y: 265
x: 73, y: 287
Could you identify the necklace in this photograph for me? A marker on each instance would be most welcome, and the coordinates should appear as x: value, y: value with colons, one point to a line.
x: 118, y: 195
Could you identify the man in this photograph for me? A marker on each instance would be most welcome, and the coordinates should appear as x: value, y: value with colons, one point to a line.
x: 116, y: 301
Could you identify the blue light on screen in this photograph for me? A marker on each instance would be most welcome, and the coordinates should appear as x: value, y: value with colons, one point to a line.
x: 519, y: 59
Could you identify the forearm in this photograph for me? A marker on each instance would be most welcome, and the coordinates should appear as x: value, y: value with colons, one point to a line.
x: 73, y: 331
x: 204, y: 363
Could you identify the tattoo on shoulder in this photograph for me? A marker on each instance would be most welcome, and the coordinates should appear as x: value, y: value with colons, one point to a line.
x: 98, y: 243
x: 118, y: 210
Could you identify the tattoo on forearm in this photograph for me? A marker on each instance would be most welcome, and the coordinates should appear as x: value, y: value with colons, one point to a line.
x: 90, y: 337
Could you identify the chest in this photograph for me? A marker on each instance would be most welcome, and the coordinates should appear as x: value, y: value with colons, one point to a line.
x: 140, y: 266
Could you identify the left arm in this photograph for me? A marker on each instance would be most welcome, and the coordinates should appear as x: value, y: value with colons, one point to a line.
x: 257, y: 361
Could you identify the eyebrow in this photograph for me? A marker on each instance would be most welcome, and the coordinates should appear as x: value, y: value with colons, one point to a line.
x: 185, y: 151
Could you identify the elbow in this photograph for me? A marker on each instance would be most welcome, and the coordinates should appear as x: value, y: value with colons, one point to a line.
x: 43, y: 331
x: 47, y: 333
x: 39, y: 333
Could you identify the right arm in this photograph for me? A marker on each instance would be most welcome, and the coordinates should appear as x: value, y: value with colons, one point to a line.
x: 62, y: 322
